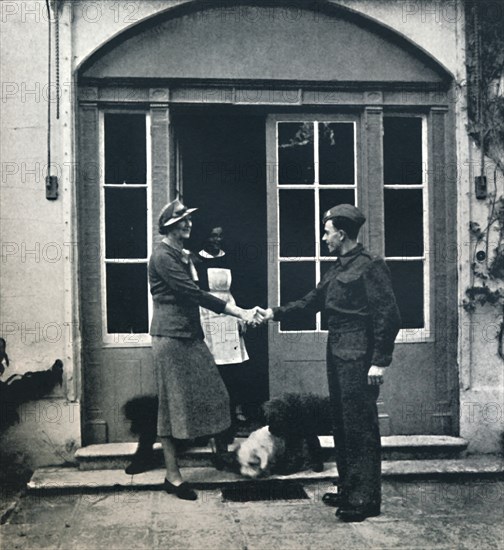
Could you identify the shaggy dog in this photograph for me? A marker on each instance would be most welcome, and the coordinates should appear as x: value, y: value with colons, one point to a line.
x: 289, y: 443
x: 142, y: 413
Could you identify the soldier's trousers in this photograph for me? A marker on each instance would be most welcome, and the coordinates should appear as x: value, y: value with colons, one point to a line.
x: 355, y: 421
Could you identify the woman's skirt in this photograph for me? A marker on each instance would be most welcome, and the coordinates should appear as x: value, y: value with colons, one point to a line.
x: 193, y: 400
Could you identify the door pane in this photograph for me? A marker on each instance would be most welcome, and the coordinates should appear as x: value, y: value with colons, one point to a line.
x: 295, y: 153
x: 296, y: 280
x: 125, y: 148
x: 403, y: 222
x: 127, y: 310
x: 407, y: 281
x: 297, y: 223
x: 125, y: 223
x: 402, y: 150
x: 336, y: 153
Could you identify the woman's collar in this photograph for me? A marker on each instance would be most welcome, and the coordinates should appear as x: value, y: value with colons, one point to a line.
x: 171, y: 245
x: 204, y: 254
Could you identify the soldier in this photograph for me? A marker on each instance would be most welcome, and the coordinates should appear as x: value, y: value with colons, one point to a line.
x: 363, y: 321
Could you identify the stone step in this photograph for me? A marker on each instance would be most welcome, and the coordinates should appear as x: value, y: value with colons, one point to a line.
x: 73, y: 480
x: 398, y: 447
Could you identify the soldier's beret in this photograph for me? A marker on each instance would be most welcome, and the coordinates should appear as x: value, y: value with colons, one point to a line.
x: 348, y: 211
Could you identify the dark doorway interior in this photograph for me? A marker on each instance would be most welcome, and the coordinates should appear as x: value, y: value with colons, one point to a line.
x: 223, y: 161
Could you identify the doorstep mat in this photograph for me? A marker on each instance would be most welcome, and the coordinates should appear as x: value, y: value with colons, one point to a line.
x: 264, y: 490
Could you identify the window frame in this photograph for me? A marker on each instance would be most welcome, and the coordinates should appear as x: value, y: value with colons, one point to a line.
x: 120, y: 339
x: 424, y: 334
x: 349, y: 118
x: 405, y: 335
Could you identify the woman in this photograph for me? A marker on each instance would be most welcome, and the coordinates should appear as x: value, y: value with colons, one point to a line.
x: 193, y: 400
x: 223, y: 333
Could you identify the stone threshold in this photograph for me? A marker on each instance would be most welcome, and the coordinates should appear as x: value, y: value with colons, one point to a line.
x: 127, y: 449
x: 61, y: 479
x: 398, y: 447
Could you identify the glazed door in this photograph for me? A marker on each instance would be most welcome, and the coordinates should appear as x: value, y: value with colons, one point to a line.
x: 381, y: 163
x: 118, y: 206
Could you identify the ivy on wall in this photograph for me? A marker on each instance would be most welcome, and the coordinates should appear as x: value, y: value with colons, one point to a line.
x: 485, y: 105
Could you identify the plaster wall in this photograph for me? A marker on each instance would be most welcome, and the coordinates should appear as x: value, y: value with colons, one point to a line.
x: 432, y: 29
x: 482, y: 375
x: 37, y: 271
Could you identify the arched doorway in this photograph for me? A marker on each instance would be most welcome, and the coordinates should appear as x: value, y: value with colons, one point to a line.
x: 268, y: 115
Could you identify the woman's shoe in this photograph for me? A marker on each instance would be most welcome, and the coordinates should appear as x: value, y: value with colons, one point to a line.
x: 223, y: 461
x: 182, y: 491
x: 140, y: 465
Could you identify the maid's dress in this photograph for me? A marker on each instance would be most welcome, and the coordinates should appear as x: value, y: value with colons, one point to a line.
x: 222, y: 334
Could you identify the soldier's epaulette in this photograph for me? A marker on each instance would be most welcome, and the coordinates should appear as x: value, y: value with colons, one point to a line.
x: 371, y: 256
x: 367, y: 254
x: 360, y: 263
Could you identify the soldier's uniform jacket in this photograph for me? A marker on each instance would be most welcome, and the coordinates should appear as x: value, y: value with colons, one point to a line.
x: 356, y: 294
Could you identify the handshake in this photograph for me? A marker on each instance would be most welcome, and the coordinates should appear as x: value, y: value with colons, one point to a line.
x: 256, y: 316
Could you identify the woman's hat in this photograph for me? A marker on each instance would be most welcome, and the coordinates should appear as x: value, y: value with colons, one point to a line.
x: 173, y: 212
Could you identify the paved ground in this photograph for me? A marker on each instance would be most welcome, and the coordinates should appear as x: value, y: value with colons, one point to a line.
x: 416, y: 514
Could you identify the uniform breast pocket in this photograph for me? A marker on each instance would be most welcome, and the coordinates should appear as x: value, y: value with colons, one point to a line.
x: 349, y: 346
x: 348, y: 290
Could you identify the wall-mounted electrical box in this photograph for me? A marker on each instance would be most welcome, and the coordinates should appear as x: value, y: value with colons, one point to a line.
x: 480, y: 187
x: 51, y: 188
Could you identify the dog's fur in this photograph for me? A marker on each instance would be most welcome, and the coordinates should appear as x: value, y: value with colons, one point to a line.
x: 258, y: 454
x: 289, y: 443
x: 142, y: 413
